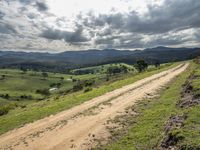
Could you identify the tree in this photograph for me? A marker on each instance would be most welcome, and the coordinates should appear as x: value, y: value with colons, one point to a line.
x: 44, y: 92
x: 3, y: 76
x: 115, y: 69
x: 44, y: 74
x: 157, y: 64
x: 124, y: 69
x: 24, y: 70
x: 77, y: 87
x: 141, y: 65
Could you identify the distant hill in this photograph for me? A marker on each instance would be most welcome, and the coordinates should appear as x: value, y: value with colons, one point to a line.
x: 61, y: 62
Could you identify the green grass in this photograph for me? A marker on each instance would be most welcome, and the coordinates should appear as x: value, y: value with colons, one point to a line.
x: 103, y: 68
x: 16, y: 83
x: 191, y: 129
x: 35, y: 111
x: 146, y: 133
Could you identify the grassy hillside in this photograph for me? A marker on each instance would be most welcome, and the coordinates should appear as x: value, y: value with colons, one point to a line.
x: 22, y: 85
x: 56, y: 103
x: 167, y: 122
x: 103, y: 68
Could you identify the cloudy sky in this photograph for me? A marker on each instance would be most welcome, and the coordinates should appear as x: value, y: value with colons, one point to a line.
x: 60, y: 25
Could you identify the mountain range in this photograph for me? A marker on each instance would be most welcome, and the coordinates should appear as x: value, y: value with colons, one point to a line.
x: 61, y: 62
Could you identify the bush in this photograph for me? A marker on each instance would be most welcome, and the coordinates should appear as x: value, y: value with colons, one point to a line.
x: 43, y: 92
x: 87, y: 89
x: 26, y: 97
x: 6, y: 96
x: 141, y: 65
x: 5, y: 108
x: 77, y: 87
x: 55, y: 85
x: 117, y: 69
x: 74, y: 80
x: 4, y: 111
x: 89, y: 82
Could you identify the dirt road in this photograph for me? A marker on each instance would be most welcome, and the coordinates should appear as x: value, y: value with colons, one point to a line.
x: 77, y: 128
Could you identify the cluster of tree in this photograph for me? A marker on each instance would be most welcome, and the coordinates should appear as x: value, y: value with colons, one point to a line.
x: 55, y: 85
x: 26, y: 97
x: 87, y: 89
x: 45, y: 75
x: 3, y: 77
x: 6, y: 108
x: 112, y: 70
x: 141, y: 65
x: 23, y: 69
x: 44, y: 92
x: 157, y: 64
x: 6, y: 96
x: 83, y: 83
x: 83, y: 71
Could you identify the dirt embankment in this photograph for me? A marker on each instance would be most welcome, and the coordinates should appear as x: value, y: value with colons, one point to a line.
x: 188, y: 96
x: 188, y: 99
x: 81, y: 126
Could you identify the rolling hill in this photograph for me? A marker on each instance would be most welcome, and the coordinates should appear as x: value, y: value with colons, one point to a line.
x: 61, y: 62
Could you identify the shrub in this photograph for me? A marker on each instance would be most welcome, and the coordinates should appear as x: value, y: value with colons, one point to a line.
x: 117, y: 69
x: 77, y: 87
x: 5, y: 108
x: 26, y: 97
x: 141, y: 65
x: 89, y: 82
x: 87, y: 89
x: 6, y: 96
x: 74, y: 80
x: 55, y: 85
x: 43, y: 92
x: 45, y: 75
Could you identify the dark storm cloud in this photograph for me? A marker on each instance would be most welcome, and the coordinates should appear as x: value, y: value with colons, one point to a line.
x: 115, y: 20
x: 2, y: 15
x: 174, y: 22
x: 197, y: 35
x: 106, y: 40
x: 41, y: 6
x: 7, y: 29
x: 67, y: 36
x: 121, y: 41
x: 169, y: 40
x: 26, y: 1
x: 172, y: 15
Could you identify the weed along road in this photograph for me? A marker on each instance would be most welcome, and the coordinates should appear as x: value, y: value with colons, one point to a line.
x: 81, y: 127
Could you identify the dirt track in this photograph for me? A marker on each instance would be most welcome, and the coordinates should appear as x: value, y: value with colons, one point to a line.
x: 77, y: 128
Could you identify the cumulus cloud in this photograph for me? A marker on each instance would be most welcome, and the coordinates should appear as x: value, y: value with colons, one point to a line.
x: 7, y: 29
x: 41, y: 6
x: 157, y: 20
x: 32, y: 24
x: 68, y: 36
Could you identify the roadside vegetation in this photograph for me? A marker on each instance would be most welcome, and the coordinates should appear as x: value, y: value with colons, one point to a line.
x: 30, y: 98
x: 170, y: 121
